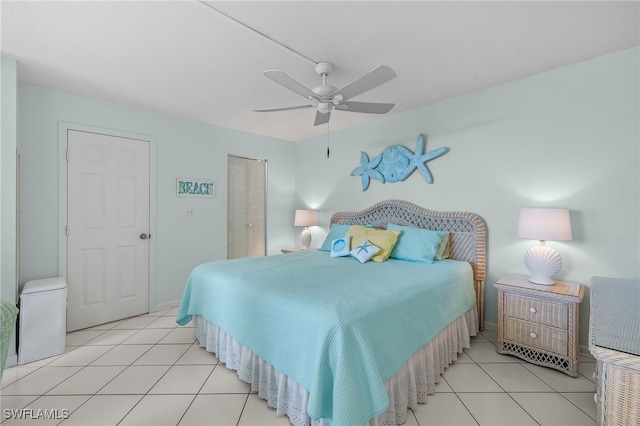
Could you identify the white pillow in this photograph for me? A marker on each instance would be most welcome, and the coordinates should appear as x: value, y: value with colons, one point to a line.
x: 365, y: 251
x: 340, y: 247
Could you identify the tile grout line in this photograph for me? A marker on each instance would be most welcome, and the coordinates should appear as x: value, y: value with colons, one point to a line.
x: 554, y: 391
x: 170, y: 367
x: 90, y: 396
x: 142, y: 396
x: 89, y: 364
x: 203, y: 383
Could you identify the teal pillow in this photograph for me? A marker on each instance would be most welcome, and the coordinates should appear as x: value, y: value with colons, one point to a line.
x: 336, y: 231
x: 416, y: 244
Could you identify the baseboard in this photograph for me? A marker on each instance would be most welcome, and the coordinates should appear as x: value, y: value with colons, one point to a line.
x: 491, y: 326
x: 584, y: 351
x: 167, y: 306
x: 12, y: 360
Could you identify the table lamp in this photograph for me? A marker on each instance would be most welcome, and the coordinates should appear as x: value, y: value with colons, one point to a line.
x: 305, y: 218
x: 543, y: 224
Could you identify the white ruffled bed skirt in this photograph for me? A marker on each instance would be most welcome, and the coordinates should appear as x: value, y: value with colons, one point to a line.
x: 415, y: 380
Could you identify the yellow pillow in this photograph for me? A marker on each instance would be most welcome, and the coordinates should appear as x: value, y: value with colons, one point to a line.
x: 384, y: 239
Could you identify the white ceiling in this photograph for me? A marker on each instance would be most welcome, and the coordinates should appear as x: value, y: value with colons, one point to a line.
x: 185, y: 59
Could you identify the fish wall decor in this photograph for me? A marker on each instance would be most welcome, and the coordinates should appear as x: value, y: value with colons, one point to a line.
x: 396, y: 163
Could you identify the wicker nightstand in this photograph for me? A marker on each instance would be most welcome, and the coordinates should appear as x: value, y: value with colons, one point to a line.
x: 539, y: 323
x: 614, y: 341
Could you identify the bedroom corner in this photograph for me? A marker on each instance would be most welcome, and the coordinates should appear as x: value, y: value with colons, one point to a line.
x: 564, y: 138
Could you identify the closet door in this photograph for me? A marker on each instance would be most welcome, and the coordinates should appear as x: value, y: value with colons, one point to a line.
x: 246, y: 207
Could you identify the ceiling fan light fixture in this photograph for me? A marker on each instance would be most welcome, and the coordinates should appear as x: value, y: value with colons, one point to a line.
x: 324, y: 107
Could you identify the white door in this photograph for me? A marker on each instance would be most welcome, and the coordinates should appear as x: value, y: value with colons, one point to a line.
x: 108, y: 228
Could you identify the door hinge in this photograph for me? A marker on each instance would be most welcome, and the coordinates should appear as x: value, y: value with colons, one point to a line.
x: 67, y: 155
x: 67, y: 230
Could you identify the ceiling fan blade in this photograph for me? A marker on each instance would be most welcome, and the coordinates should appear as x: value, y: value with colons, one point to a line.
x: 375, y: 78
x: 284, y: 109
x: 322, y: 118
x: 286, y: 81
x: 366, y: 107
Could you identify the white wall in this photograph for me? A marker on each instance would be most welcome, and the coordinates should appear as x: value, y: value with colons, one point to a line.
x: 565, y: 138
x: 182, y: 149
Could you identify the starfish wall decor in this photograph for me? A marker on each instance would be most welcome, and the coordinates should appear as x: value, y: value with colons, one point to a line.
x: 396, y: 163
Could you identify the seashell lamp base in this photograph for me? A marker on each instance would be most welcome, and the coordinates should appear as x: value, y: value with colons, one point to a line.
x: 543, y: 262
x: 305, y: 239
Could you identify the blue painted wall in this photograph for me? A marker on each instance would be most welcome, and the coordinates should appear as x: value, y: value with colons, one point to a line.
x: 8, y: 180
x: 565, y: 138
x: 183, y: 148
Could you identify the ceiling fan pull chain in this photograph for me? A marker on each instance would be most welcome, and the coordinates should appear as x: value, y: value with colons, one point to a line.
x: 328, y: 152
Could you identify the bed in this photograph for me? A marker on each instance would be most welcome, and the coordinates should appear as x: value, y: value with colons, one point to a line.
x: 329, y: 340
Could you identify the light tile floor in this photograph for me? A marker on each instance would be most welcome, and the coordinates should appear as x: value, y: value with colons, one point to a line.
x: 147, y: 371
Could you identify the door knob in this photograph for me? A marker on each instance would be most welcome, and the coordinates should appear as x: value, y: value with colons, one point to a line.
x: 144, y: 236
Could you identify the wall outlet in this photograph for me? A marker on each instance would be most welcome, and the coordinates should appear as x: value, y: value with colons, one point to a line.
x: 189, y: 212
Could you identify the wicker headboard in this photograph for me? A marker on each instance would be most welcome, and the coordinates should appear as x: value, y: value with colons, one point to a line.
x: 468, y: 233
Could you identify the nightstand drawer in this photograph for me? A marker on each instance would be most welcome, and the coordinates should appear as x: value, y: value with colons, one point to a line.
x: 536, y: 336
x: 536, y: 310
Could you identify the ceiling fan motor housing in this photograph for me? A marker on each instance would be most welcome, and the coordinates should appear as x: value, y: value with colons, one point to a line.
x: 324, y: 91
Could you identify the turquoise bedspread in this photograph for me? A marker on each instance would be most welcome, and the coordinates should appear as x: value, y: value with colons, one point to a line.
x: 337, y: 327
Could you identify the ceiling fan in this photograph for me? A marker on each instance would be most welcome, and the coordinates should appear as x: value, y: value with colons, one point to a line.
x: 326, y: 98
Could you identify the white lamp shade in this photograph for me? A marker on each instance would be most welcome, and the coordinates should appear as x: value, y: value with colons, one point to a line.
x: 305, y: 218
x: 544, y: 224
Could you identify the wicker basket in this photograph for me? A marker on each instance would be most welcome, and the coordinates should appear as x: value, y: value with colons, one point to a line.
x: 614, y: 322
